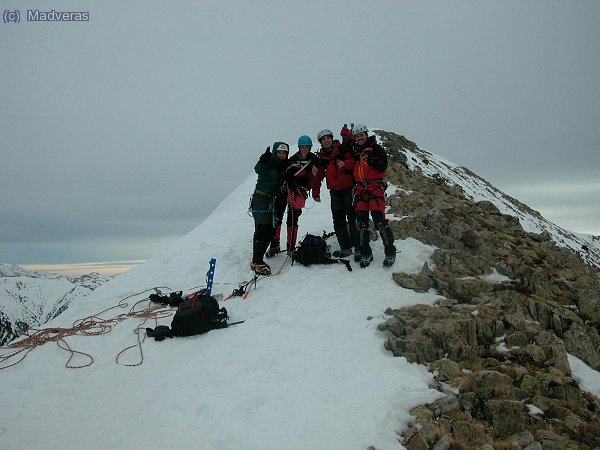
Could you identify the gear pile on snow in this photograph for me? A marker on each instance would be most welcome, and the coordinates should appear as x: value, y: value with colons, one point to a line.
x: 197, y: 313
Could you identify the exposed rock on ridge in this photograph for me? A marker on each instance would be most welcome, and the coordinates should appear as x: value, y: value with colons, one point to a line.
x: 516, y: 303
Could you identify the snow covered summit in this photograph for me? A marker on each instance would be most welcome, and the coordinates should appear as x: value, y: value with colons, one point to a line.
x: 307, y: 368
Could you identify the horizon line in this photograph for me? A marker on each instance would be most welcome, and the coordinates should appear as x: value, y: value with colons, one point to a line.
x: 109, y: 268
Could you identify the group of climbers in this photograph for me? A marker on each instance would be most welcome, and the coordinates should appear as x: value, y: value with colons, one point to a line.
x: 354, y: 170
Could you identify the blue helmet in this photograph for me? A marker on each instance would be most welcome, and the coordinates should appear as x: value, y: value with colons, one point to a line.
x: 304, y: 140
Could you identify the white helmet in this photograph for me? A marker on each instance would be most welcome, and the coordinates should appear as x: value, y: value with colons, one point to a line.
x: 359, y: 128
x: 324, y: 133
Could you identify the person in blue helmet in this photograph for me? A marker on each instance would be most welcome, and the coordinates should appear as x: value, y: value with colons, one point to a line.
x: 300, y: 180
x: 270, y: 170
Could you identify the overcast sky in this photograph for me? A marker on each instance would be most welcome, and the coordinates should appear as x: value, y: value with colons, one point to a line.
x: 120, y: 134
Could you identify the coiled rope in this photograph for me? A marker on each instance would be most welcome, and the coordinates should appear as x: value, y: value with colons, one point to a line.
x: 93, y: 325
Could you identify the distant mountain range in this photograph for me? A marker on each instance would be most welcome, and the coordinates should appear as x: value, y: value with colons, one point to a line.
x: 29, y: 299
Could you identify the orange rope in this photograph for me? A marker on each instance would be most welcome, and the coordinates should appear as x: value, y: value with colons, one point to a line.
x: 92, y: 325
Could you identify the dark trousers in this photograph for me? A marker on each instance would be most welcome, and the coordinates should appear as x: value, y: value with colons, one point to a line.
x: 382, y: 225
x: 262, y: 211
x: 342, y: 209
x: 292, y: 214
x: 362, y: 219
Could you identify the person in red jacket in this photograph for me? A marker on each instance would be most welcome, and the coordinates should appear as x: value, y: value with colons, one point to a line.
x: 346, y: 133
x: 336, y: 166
x: 369, y: 190
x: 299, y: 181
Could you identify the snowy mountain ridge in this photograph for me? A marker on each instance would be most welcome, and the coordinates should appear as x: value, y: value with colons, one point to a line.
x: 478, y: 189
x: 32, y: 298
x: 307, y: 368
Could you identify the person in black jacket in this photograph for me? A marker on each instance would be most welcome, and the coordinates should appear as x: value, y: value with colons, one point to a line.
x: 270, y: 169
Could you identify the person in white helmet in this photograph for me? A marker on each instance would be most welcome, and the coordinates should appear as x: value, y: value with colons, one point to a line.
x: 336, y: 166
x: 270, y: 170
x: 369, y: 174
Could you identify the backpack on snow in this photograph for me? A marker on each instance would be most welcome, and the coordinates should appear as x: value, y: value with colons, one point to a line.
x: 312, y: 250
x: 198, y: 314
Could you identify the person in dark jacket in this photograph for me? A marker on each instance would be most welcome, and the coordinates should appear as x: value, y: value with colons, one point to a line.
x: 299, y: 182
x: 337, y: 166
x: 369, y: 173
x: 270, y: 170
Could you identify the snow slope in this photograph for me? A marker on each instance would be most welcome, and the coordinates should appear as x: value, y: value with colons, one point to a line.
x: 477, y: 189
x: 307, y: 369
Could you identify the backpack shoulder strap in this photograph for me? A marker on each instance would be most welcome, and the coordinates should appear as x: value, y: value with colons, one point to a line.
x: 339, y: 261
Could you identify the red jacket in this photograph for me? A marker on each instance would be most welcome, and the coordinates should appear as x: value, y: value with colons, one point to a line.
x: 337, y: 178
x: 371, y: 164
x: 369, y: 172
x: 346, y: 134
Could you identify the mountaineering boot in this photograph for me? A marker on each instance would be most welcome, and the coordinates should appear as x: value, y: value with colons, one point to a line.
x: 388, y: 245
x: 354, y: 236
x: 365, y: 249
x: 260, y: 268
x: 343, y: 238
x: 292, y: 233
x: 388, y: 261
x: 273, y: 249
x: 259, y: 246
x: 274, y: 245
x: 365, y: 260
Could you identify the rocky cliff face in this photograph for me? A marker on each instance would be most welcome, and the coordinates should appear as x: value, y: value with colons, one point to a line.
x: 30, y: 299
x: 520, y: 293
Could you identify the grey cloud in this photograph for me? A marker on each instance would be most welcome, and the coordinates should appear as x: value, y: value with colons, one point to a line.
x: 134, y: 126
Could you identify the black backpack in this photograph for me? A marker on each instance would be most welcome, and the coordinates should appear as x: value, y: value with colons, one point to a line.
x: 198, y: 314
x: 312, y: 250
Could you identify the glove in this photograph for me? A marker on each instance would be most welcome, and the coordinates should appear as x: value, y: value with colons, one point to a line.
x: 375, y: 162
x: 266, y: 156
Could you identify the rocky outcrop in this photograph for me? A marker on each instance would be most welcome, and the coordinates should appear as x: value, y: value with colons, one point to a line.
x: 515, y: 304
